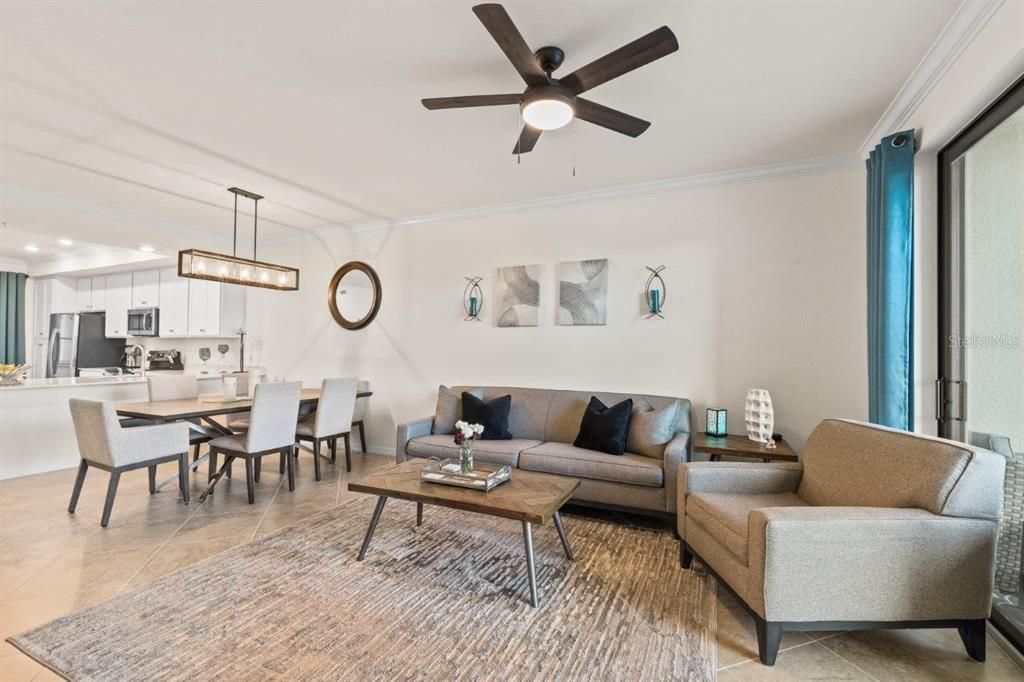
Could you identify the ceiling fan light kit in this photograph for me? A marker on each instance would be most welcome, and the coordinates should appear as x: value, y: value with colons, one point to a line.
x: 550, y: 103
x: 235, y: 269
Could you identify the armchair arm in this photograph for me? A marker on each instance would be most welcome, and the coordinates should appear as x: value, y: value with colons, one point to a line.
x: 677, y: 452
x: 736, y: 478
x: 869, y: 564
x: 143, y: 443
x: 408, y: 431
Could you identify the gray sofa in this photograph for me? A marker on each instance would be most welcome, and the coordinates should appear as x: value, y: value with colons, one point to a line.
x: 874, y: 528
x: 544, y: 423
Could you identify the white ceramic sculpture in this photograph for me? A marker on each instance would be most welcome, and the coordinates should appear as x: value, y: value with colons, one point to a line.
x: 759, y: 416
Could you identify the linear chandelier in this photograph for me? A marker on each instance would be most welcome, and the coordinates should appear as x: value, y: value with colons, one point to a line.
x: 235, y: 269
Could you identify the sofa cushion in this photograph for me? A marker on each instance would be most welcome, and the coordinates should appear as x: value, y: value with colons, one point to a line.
x: 491, y: 414
x: 650, y: 430
x: 604, y: 428
x: 724, y: 516
x: 449, y: 409
x: 568, y: 460
x: 487, y: 451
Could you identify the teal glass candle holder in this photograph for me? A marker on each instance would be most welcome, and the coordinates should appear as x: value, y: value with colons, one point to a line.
x: 717, y: 423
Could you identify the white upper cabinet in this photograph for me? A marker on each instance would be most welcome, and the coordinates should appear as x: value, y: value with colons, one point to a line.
x: 215, y: 309
x: 173, y: 303
x: 146, y: 289
x: 51, y: 295
x: 118, y: 301
x: 91, y: 294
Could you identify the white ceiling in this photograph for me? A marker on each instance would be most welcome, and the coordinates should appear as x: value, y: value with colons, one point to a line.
x: 13, y: 244
x: 124, y: 123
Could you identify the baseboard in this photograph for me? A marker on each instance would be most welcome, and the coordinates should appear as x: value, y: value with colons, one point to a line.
x: 378, y: 450
x: 1004, y: 644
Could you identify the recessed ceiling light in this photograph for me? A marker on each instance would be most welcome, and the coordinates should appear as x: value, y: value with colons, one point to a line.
x: 146, y: 248
x: 31, y: 247
x: 65, y: 242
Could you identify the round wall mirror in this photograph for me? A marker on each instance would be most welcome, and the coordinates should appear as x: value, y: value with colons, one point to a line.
x: 354, y: 295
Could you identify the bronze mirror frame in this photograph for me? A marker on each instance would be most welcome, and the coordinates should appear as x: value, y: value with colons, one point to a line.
x: 332, y: 294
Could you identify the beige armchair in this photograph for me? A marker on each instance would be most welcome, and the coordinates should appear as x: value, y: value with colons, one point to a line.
x: 874, y: 528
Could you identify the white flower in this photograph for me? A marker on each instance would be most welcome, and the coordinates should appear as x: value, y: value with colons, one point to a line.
x: 478, y: 428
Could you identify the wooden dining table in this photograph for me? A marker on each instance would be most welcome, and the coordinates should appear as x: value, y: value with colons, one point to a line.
x: 200, y: 413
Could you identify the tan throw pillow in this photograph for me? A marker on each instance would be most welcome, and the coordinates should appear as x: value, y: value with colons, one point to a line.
x: 650, y: 431
x: 449, y: 409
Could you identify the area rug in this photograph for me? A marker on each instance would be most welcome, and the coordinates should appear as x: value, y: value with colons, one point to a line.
x: 444, y: 601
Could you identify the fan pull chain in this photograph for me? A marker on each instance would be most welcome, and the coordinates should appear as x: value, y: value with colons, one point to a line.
x: 573, y: 148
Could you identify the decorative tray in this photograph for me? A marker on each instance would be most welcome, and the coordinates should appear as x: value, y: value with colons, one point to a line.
x: 448, y: 472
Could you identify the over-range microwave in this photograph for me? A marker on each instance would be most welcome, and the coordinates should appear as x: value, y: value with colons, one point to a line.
x: 144, y: 322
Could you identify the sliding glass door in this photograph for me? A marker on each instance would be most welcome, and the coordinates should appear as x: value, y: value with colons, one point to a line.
x: 980, y: 395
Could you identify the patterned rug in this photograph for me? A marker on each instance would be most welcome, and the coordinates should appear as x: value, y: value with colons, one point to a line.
x: 445, y: 601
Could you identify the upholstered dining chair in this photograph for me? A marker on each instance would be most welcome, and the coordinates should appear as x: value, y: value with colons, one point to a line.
x: 178, y: 387
x: 104, y: 444
x: 359, y: 415
x: 275, y: 410
x: 239, y: 421
x: 332, y: 418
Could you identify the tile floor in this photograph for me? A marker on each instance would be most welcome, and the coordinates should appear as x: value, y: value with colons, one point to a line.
x: 52, y: 562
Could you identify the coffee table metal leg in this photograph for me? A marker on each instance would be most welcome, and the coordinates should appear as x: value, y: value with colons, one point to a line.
x: 419, y: 513
x: 531, y: 569
x: 562, y: 536
x: 373, y: 526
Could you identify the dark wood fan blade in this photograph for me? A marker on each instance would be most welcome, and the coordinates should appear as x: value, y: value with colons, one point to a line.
x: 470, y: 101
x: 612, y: 119
x: 498, y: 23
x: 527, y: 139
x: 645, y: 50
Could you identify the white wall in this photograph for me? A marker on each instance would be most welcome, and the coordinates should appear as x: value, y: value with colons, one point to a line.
x: 765, y: 288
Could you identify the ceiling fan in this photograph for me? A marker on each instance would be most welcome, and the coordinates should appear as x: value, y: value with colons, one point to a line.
x: 549, y: 103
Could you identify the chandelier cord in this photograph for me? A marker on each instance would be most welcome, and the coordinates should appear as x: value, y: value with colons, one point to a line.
x: 234, y: 241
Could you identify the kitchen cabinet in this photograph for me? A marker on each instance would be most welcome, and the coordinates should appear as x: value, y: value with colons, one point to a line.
x: 38, y: 358
x: 91, y: 294
x: 146, y: 289
x: 173, y: 303
x: 51, y: 295
x: 215, y: 309
x: 118, y: 301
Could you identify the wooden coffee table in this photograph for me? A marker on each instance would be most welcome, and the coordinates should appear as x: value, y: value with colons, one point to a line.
x: 530, y: 498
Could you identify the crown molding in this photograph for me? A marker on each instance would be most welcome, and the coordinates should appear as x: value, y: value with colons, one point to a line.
x: 736, y: 176
x: 968, y: 19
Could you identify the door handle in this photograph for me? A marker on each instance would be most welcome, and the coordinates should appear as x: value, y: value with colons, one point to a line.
x: 52, y: 367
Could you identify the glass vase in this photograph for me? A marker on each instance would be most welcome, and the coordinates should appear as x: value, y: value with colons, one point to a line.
x: 466, y: 457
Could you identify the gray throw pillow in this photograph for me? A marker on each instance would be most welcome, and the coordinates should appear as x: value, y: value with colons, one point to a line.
x: 449, y: 409
x: 650, y: 431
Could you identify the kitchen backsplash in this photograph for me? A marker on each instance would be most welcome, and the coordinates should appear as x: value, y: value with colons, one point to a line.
x: 190, y: 351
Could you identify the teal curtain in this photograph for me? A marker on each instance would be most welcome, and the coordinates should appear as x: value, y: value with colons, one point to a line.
x: 12, y: 318
x: 891, y: 282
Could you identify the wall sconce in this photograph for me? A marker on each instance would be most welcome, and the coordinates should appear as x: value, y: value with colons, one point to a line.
x: 655, y: 292
x: 717, y: 422
x: 473, y: 299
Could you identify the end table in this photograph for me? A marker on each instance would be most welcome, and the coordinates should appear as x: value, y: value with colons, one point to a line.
x: 741, y: 446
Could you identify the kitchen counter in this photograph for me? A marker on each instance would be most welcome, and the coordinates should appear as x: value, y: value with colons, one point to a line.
x: 36, y: 433
x: 64, y: 382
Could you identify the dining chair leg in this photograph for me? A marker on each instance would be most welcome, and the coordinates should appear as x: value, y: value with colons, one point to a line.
x: 348, y: 451
x: 316, y: 458
x: 283, y: 457
x: 83, y: 467
x: 258, y: 465
x: 115, y: 476
x: 195, y: 452
x: 152, y: 479
x: 291, y: 471
x: 334, y: 449
x: 250, y: 483
x: 362, y: 437
x: 213, y: 465
x: 183, y: 478
x: 228, y: 473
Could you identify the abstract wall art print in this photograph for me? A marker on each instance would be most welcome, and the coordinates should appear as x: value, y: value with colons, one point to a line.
x: 583, y: 292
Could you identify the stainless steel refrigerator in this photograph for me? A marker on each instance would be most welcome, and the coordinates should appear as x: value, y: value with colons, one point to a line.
x: 77, y: 341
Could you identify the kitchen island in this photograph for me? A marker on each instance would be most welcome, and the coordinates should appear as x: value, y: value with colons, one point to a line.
x: 36, y: 433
